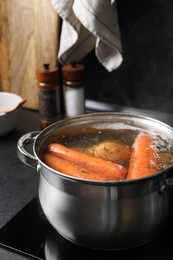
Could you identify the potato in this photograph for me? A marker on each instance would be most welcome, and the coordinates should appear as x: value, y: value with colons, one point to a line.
x: 114, y: 151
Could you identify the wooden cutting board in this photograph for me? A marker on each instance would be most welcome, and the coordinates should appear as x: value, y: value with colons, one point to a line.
x: 28, y: 38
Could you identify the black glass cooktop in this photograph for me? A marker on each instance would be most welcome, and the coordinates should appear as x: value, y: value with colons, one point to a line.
x: 29, y: 233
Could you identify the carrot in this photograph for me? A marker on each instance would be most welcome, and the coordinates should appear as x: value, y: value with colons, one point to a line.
x: 71, y: 169
x: 144, y: 157
x: 110, y: 170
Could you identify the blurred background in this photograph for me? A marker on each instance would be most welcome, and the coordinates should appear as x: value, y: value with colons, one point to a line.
x: 29, y: 37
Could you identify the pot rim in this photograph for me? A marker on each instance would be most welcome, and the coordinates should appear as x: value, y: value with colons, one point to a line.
x: 162, y: 174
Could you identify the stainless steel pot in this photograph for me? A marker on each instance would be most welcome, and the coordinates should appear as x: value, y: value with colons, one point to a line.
x: 103, y: 215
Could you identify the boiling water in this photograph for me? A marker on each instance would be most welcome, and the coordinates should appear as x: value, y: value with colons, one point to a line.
x: 83, y: 140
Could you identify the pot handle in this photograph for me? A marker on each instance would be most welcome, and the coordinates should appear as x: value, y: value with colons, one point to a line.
x: 24, y: 155
x: 170, y: 182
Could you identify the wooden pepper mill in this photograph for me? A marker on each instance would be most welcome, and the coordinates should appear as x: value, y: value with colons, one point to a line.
x: 49, y: 95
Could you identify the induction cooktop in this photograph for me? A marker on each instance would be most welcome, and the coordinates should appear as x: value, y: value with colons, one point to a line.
x: 30, y: 234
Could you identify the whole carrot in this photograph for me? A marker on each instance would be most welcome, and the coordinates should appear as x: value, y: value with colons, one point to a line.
x: 71, y: 169
x: 144, y: 157
x: 110, y: 170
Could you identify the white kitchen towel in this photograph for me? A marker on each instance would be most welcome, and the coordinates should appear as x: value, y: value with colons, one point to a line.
x: 88, y: 25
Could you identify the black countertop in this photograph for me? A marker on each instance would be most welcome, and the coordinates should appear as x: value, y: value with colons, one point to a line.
x: 19, y: 182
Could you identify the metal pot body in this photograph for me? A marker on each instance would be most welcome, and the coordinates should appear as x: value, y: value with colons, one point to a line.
x: 103, y: 215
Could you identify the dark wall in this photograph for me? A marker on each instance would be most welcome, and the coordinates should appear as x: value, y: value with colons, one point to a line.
x: 145, y: 77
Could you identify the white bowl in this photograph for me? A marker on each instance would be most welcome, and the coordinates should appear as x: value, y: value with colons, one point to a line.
x: 9, y: 120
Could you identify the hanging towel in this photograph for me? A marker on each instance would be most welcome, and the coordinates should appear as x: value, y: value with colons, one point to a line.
x: 88, y: 25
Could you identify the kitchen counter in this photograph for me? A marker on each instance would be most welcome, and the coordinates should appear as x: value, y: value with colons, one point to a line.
x: 19, y: 182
